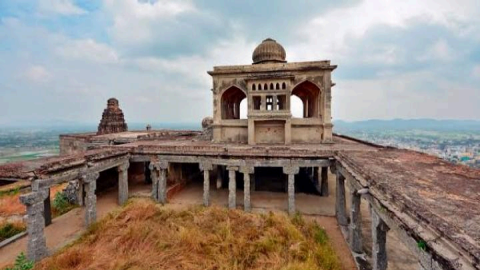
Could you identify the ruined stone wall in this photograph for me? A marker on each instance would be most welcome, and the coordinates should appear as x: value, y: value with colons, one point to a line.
x: 72, y: 145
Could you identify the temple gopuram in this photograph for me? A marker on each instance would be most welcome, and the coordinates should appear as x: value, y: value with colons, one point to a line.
x: 269, y: 160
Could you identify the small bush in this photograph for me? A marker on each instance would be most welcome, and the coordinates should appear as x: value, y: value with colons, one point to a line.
x: 60, y: 204
x: 21, y: 263
x: 8, y: 230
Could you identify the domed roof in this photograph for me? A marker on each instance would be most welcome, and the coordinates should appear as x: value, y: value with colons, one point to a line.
x: 269, y: 51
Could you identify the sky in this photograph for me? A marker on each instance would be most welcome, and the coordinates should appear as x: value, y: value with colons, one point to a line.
x: 60, y: 60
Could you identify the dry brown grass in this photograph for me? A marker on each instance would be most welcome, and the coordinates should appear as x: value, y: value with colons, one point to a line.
x: 147, y: 236
x: 10, y: 203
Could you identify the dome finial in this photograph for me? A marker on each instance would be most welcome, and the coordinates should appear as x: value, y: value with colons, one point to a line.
x: 269, y: 51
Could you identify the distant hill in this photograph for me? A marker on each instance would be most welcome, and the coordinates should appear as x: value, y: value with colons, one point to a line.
x: 408, y: 124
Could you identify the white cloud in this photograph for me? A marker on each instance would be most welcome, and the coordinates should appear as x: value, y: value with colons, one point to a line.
x: 63, y: 7
x: 136, y: 22
x: 440, y: 51
x: 89, y: 50
x: 37, y: 73
x: 330, y: 34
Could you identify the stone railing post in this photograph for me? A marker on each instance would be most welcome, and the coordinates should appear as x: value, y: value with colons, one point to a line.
x: 324, y: 184
x: 247, y: 172
x: 232, y: 187
x: 355, y: 228
x: 89, y: 180
x: 123, y: 183
x: 37, y: 245
x: 206, y: 167
x: 159, y: 180
x: 340, y: 205
x: 379, y: 237
x: 291, y: 171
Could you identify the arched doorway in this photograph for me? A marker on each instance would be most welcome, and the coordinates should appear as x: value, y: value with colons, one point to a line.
x: 310, y: 96
x: 231, y: 99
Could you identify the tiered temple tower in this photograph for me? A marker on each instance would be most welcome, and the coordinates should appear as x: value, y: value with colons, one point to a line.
x: 113, y: 120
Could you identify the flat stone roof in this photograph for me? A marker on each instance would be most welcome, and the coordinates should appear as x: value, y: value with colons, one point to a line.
x: 439, y: 194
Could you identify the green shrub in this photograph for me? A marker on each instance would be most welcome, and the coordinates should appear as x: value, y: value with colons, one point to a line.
x: 21, y: 263
x: 60, y: 204
x: 8, y: 230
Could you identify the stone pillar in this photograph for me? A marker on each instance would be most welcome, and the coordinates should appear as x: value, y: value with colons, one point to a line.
x: 340, y: 205
x: 37, y: 245
x: 247, y: 171
x: 291, y: 171
x: 355, y: 229
x: 288, y: 131
x: 206, y: 168
x: 80, y: 193
x: 219, y: 177
x: 47, y: 209
x: 232, y: 187
x: 324, y: 184
x: 123, y: 183
x: 379, y: 237
x: 275, y: 102
x: 90, y: 185
x: 158, y: 174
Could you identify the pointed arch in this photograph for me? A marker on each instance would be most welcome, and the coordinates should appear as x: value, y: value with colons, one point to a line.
x: 231, y: 99
x: 259, y: 86
x: 265, y: 86
x: 254, y: 87
x: 310, y: 95
x: 277, y: 86
x: 284, y: 85
x: 271, y: 86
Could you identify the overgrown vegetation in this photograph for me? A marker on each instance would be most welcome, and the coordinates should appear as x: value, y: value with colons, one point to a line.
x: 147, y: 236
x: 21, y: 263
x: 61, y: 205
x: 9, y: 229
x: 10, y: 192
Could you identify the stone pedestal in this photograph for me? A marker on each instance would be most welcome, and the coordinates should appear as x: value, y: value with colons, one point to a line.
x: 232, y: 187
x: 340, y: 205
x: 123, y: 183
x: 291, y: 171
x: 36, y: 246
x: 379, y: 237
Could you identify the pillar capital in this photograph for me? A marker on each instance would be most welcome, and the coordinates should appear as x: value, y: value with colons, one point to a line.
x: 90, y: 176
x: 291, y: 169
x: 205, y: 166
x: 34, y: 197
x: 247, y: 169
x: 123, y: 167
x: 232, y: 168
x: 158, y: 165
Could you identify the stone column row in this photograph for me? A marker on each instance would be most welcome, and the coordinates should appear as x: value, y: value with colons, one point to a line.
x: 159, y: 180
x: 248, y: 172
x: 379, y: 228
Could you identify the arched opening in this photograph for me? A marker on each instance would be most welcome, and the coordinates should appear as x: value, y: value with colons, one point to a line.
x: 284, y: 86
x: 243, y: 109
x: 277, y: 87
x: 231, y: 100
x: 259, y: 87
x: 309, y: 94
x: 265, y: 87
x: 271, y: 86
x: 296, y: 107
x: 253, y: 87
